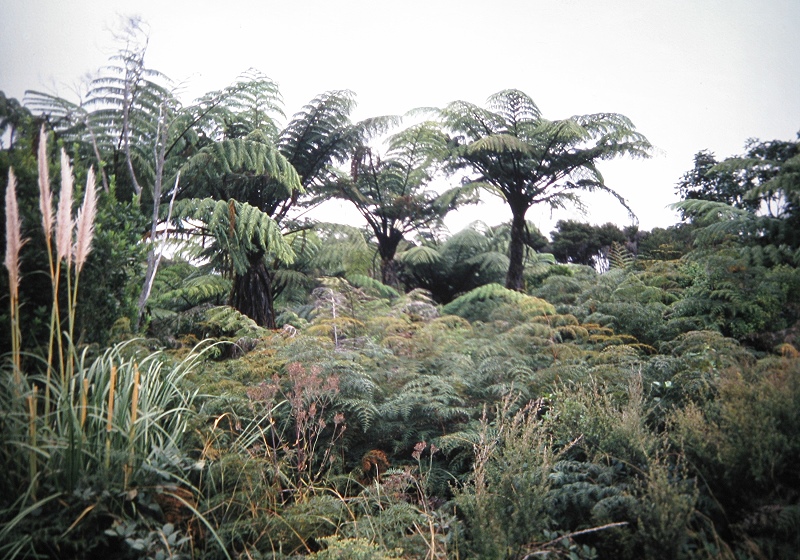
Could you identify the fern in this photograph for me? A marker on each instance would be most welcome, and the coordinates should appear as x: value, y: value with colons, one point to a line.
x: 194, y: 291
x: 478, y: 303
x: 228, y: 322
x: 238, y: 230
x: 620, y: 257
x: 370, y: 285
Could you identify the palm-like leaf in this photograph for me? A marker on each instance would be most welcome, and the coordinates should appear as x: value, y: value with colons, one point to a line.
x: 319, y: 134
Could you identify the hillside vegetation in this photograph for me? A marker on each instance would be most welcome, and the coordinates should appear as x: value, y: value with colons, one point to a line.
x: 191, y: 370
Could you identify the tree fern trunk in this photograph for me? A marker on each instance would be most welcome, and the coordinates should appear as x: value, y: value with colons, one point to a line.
x: 253, y: 293
x: 387, y: 248
x: 389, y: 272
x: 515, y: 279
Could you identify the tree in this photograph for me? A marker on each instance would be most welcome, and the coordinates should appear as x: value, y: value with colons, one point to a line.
x: 474, y: 256
x: 269, y: 170
x: 13, y: 116
x: 743, y: 266
x: 706, y: 181
x: 581, y: 243
x: 393, y: 192
x: 771, y: 172
x: 130, y: 123
x: 515, y: 153
x: 766, y: 209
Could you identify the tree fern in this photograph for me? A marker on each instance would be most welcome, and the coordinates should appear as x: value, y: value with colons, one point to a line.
x: 249, y: 169
x: 370, y: 285
x: 225, y: 321
x: 238, y: 230
x: 620, y: 257
x: 340, y: 250
x: 392, y: 192
x: 249, y: 104
x: 320, y: 134
x: 529, y: 160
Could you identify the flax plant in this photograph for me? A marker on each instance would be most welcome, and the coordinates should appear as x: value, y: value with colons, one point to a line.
x: 127, y: 413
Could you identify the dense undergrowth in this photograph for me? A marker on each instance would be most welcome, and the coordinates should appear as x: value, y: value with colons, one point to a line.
x: 395, y: 430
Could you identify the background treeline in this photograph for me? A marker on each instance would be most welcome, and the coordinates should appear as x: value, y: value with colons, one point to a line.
x: 225, y: 379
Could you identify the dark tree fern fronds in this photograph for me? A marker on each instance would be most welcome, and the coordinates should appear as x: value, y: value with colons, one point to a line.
x: 237, y: 229
x: 247, y: 105
x: 319, y: 134
x: 209, y: 287
x: 393, y: 192
x: 247, y: 169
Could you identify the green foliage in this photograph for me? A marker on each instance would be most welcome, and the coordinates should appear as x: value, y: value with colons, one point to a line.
x: 505, y: 503
x: 370, y: 285
x: 113, y: 434
x: 392, y: 193
x: 760, y: 188
x: 580, y: 243
x: 478, y: 304
x: 472, y: 257
x: 180, y: 286
x: 353, y: 549
x: 248, y: 169
x: 514, y: 152
x: 238, y: 229
x: 649, y: 411
x: 251, y: 103
x: 113, y: 271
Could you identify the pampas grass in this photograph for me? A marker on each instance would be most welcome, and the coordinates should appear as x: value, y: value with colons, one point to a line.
x: 117, y: 421
x: 45, y: 194
x: 13, y: 235
x: 84, y: 232
x: 66, y: 252
x: 64, y: 214
x: 84, y: 229
x: 14, y: 243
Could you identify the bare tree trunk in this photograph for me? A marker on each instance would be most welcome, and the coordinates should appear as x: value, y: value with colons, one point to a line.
x: 132, y: 76
x: 156, y: 249
x: 153, y: 259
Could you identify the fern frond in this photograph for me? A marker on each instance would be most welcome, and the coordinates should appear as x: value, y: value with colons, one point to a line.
x: 224, y: 320
x: 193, y: 292
x: 372, y: 286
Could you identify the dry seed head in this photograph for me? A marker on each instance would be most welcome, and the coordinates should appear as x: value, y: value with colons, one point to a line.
x: 64, y: 214
x: 85, y: 222
x: 14, y: 239
x: 45, y: 194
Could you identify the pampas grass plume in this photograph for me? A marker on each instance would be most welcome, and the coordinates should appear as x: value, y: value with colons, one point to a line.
x: 64, y: 214
x: 45, y: 194
x: 14, y: 239
x: 85, y: 222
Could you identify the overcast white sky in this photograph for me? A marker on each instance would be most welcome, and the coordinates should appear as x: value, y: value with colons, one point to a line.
x: 691, y: 74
